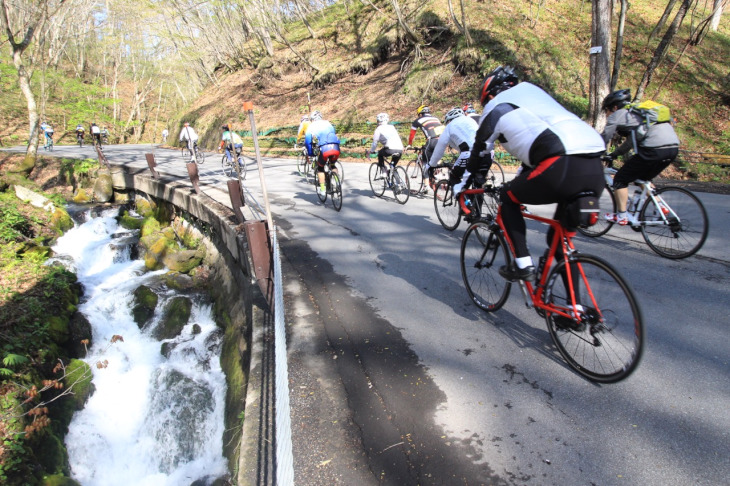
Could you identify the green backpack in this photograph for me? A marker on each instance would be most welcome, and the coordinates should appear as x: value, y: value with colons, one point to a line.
x: 652, y: 113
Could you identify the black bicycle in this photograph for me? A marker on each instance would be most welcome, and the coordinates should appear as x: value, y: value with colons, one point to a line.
x: 187, y: 154
x: 394, y: 178
x: 333, y: 187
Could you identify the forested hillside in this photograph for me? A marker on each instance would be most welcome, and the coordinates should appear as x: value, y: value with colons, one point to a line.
x: 137, y: 66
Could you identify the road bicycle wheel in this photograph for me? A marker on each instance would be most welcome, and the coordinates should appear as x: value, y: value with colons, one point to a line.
x: 227, y: 168
x: 80, y: 141
x: 241, y: 166
x: 199, y: 156
x: 323, y: 196
x: 186, y: 155
x: 447, y: 207
x: 302, y: 164
x: 340, y: 171
x: 683, y: 229
x: 483, y: 251
x: 400, y: 186
x: 336, y: 193
x: 414, y: 172
x: 496, y: 174
x: 377, y: 185
x: 606, y: 342
x: 606, y: 204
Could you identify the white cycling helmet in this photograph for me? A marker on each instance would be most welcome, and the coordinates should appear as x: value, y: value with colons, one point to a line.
x: 382, y: 118
x: 305, y: 118
x: 316, y: 115
x: 453, y: 113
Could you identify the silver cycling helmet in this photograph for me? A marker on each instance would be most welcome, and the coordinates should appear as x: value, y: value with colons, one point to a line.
x: 453, y: 113
x: 382, y: 118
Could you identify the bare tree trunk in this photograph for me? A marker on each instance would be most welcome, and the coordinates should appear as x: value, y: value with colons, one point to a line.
x: 410, y: 34
x: 663, y: 19
x: 661, y: 49
x: 600, y: 61
x: 18, y: 49
x: 716, y: 14
x: 619, y: 45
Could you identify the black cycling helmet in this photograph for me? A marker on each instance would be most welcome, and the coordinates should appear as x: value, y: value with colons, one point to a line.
x: 500, y: 79
x: 618, y: 98
x: 225, y: 128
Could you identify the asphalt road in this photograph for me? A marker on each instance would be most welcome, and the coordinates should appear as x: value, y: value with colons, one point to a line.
x: 397, y: 378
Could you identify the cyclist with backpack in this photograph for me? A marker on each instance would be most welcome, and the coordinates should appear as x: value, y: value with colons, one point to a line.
x: 655, y: 146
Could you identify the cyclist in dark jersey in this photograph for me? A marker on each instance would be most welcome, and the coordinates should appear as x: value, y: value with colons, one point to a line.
x: 431, y: 128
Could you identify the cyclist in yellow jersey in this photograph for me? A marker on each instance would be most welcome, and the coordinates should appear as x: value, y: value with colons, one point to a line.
x: 303, y: 125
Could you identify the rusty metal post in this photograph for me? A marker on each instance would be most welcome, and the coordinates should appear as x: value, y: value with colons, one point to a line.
x: 152, y: 164
x: 248, y: 106
x: 259, y: 242
x: 234, y: 191
x: 194, y: 177
x: 101, y: 156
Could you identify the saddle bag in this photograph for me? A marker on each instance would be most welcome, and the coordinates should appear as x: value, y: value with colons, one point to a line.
x: 581, y: 211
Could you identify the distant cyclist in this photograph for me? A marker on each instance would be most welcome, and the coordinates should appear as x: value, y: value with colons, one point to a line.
x: 80, y: 131
x: 431, y: 128
x: 165, y: 133
x: 95, y: 133
x: 386, y: 135
x: 458, y: 134
x: 104, y: 135
x: 188, y: 135
x: 322, y: 133
x: 303, y: 124
x: 48, y: 132
x: 560, y: 154
x: 229, y: 141
x: 654, y: 149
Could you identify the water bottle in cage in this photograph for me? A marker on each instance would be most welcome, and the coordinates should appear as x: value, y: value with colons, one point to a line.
x: 634, y: 202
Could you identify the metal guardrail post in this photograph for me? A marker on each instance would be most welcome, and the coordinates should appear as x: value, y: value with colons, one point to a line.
x: 152, y: 164
x: 237, y: 200
x: 261, y: 253
x: 194, y: 177
x: 248, y: 107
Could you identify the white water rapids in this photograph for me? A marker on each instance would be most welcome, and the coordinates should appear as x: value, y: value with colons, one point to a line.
x: 152, y: 420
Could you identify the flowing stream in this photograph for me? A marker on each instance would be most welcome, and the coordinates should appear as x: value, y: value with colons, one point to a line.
x: 156, y: 416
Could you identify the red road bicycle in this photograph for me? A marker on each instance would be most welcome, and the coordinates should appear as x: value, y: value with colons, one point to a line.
x: 591, y: 312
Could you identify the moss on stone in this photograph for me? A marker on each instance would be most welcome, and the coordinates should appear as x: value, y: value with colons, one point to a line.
x: 79, y: 375
x: 58, y: 329
x: 150, y: 226
x: 130, y: 222
x: 58, y: 480
x: 174, y: 318
x: 144, y: 305
x: 51, y: 453
x: 81, y: 196
x: 145, y: 208
x: 61, y: 221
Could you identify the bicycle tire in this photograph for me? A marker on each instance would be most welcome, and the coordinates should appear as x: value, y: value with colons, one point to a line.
x: 414, y: 172
x: 400, y: 186
x: 483, y: 251
x: 340, y: 171
x: 446, y: 206
x: 606, y: 345
x: 199, y: 156
x: 186, y: 155
x: 336, y: 195
x: 496, y: 174
x: 606, y: 204
x: 680, y: 236
x: 80, y: 141
x: 322, y: 197
x: 378, y: 186
x: 242, y: 168
x: 302, y: 164
x: 226, y: 167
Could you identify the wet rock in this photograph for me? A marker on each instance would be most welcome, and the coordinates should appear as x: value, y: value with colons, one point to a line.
x: 174, y: 318
x: 144, y: 305
x: 79, y: 330
x: 103, y: 190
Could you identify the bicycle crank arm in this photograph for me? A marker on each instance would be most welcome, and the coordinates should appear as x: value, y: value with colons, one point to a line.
x: 526, y: 294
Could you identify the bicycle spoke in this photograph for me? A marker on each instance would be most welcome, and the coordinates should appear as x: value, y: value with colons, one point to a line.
x: 482, y: 253
x: 605, y: 342
x: 678, y: 226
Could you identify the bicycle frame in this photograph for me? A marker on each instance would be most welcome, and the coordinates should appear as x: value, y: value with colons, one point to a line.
x: 647, y: 191
x: 533, y: 293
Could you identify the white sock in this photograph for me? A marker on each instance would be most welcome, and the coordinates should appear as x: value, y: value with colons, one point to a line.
x: 622, y: 214
x: 523, y: 262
